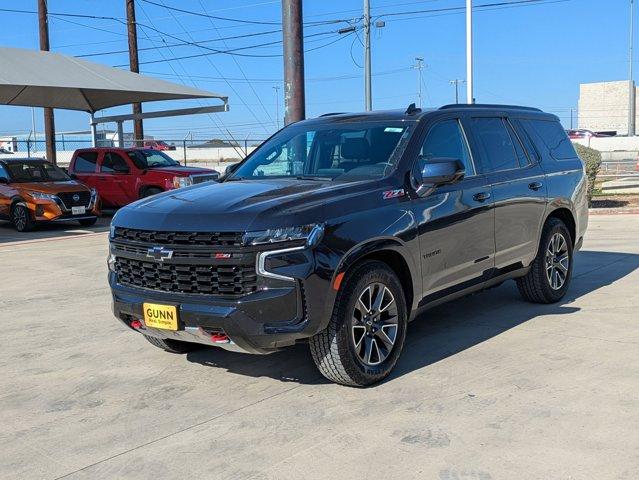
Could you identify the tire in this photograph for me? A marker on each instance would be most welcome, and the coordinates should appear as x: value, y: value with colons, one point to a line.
x: 173, y: 346
x: 537, y: 286
x: 341, y: 351
x: 21, y: 218
x: 149, y: 192
x: 88, y: 222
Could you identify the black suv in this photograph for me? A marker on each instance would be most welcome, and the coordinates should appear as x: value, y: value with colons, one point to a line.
x: 340, y: 229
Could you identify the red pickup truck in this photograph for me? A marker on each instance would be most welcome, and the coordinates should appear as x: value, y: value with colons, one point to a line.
x: 123, y: 175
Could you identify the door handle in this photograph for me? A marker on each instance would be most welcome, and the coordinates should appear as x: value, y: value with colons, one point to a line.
x: 481, y: 196
x: 535, y: 185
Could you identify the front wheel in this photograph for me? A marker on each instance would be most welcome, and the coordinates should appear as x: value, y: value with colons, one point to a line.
x: 550, y: 272
x: 149, y: 192
x: 21, y: 218
x: 366, y: 333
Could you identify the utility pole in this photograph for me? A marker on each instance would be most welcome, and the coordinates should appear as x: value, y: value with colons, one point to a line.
x: 368, y: 102
x: 277, y: 106
x: 49, y: 121
x: 293, y: 36
x: 469, y: 52
x: 571, y: 124
x: 419, y: 65
x: 631, y: 84
x: 132, y: 30
x: 456, y: 82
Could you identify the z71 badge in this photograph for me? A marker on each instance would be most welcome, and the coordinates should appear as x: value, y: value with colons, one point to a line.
x: 393, y: 193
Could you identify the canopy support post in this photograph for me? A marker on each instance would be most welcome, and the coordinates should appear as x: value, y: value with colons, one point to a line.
x: 94, y: 131
x: 120, y: 134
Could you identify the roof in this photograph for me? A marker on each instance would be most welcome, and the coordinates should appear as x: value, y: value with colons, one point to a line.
x: 412, y: 115
x: 44, y: 79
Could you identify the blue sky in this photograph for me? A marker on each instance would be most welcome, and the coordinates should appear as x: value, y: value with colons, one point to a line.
x: 532, y: 55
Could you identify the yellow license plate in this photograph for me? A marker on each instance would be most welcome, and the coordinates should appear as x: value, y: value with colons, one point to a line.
x: 160, y: 316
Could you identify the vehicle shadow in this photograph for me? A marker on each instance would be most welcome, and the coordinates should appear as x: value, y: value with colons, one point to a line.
x: 444, y: 330
x: 8, y: 234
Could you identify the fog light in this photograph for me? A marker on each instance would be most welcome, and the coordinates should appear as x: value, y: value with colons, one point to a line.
x: 136, y: 324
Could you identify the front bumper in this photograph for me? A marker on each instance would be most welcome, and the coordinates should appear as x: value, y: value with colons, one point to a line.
x: 278, y: 314
x: 55, y: 211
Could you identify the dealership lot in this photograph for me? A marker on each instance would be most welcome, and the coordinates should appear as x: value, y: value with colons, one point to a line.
x: 488, y: 387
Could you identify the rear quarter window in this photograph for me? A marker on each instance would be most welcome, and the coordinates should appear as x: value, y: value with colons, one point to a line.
x: 553, y: 137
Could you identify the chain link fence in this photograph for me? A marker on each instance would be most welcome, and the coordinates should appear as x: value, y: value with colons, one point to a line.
x: 186, y: 151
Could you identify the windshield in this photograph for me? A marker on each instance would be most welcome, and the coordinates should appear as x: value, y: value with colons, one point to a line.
x: 333, y: 151
x: 24, y: 172
x: 144, y: 159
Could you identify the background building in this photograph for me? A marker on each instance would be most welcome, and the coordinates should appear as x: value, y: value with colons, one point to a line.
x: 603, y: 106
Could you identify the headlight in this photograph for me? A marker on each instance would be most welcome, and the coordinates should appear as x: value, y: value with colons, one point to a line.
x: 311, y: 234
x: 179, y: 182
x: 43, y: 196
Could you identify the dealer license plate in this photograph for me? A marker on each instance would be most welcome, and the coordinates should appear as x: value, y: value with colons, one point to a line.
x: 160, y: 316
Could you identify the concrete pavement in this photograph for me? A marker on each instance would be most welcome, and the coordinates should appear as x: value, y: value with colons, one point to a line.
x: 489, y: 387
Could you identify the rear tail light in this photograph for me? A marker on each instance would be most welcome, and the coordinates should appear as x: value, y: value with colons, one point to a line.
x: 220, y: 338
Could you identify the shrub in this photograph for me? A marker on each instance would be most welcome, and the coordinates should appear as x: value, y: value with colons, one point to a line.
x: 592, y: 159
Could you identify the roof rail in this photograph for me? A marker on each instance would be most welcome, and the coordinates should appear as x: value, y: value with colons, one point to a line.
x: 488, y: 105
x: 330, y: 114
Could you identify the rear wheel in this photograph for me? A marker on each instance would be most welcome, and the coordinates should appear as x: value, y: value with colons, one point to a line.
x: 551, y: 271
x: 366, y: 333
x: 21, y: 218
x: 149, y: 192
x: 88, y: 222
x: 173, y: 346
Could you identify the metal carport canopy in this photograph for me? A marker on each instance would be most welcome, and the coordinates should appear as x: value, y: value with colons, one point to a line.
x: 36, y: 78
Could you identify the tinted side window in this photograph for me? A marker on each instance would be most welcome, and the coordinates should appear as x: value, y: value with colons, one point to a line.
x: 85, y: 162
x: 554, y: 136
x: 113, y: 163
x: 497, y: 148
x: 446, y: 140
x: 3, y: 172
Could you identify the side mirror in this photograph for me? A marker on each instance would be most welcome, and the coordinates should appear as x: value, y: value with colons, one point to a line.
x: 73, y: 176
x: 438, y: 171
x: 230, y: 169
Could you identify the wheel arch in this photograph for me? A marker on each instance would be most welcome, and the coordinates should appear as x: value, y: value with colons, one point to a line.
x: 567, y: 217
x: 389, y: 251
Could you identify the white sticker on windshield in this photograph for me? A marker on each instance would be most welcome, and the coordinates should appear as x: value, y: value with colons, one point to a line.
x: 393, y: 129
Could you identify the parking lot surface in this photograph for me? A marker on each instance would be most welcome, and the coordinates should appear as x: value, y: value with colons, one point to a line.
x: 488, y: 387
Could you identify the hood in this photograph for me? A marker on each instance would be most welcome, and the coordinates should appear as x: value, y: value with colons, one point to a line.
x: 53, y: 187
x: 182, y: 171
x: 239, y: 205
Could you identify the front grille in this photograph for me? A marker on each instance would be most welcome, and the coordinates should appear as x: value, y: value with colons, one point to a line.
x: 211, y: 239
x: 204, y: 178
x: 190, y: 279
x: 83, y: 200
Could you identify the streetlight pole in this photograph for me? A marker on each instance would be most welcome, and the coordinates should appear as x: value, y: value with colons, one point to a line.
x: 631, y: 85
x: 368, y: 102
x: 469, y: 52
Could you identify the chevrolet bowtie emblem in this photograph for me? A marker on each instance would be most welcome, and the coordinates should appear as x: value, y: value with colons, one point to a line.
x: 159, y: 254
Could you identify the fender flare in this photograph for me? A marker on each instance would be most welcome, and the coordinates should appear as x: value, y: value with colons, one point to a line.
x: 361, y: 250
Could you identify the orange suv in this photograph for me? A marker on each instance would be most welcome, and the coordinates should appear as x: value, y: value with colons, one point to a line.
x: 33, y: 190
